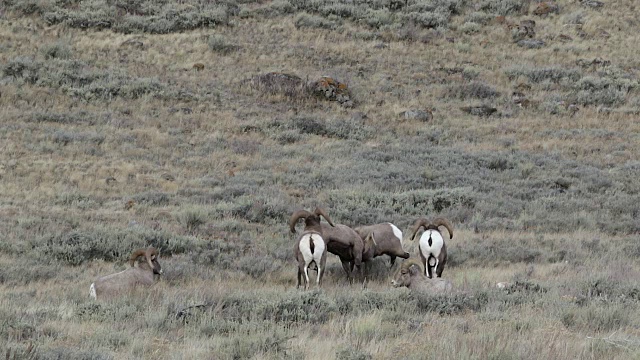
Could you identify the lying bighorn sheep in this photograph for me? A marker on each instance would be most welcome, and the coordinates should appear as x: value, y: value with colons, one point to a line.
x: 433, y: 249
x: 129, y: 279
x: 310, y: 246
x: 388, y: 241
x: 410, y: 275
x: 345, y: 242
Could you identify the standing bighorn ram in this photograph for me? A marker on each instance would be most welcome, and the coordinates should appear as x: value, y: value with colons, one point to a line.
x: 310, y: 246
x: 133, y: 277
x: 387, y: 241
x: 345, y: 242
x: 433, y: 250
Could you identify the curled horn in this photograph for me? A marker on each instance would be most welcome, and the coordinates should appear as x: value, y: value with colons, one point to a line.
x: 419, y: 223
x: 444, y: 222
x: 410, y: 262
x: 320, y: 211
x: 295, y: 217
x: 135, y: 255
x: 149, y: 254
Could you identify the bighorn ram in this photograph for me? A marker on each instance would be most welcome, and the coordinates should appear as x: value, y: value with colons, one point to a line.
x: 433, y: 249
x: 410, y: 275
x: 388, y: 241
x: 310, y: 246
x: 127, y: 280
x: 345, y: 242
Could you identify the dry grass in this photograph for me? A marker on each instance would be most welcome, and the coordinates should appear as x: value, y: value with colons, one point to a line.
x: 111, y: 139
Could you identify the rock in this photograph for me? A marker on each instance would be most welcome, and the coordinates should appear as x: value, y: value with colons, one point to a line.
x: 415, y: 114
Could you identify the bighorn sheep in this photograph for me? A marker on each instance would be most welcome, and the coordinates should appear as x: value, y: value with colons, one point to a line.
x: 433, y: 249
x: 310, y: 246
x: 345, y: 242
x: 127, y: 280
x: 388, y: 241
x: 410, y: 275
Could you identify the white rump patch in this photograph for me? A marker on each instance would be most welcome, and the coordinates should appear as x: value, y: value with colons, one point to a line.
x: 92, y: 291
x: 397, y: 232
x: 318, y: 248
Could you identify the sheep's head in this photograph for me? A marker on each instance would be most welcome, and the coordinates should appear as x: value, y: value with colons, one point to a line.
x: 409, y: 268
x: 432, y: 225
x: 151, y: 257
x: 311, y: 219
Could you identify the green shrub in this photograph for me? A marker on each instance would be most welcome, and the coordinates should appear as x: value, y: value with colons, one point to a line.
x: 600, y: 318
x: 305, y: 20
x: 220, y: 45
x: 472, y: 90
x: 505, y: 7
x: 352, y: 353
x: 479, y: 17
x: 77, y: 246
x: 537, y: 75
x: 452, y: 303
x: 428, y: 19
x: 246, y: 347
x: 74, y: 78
x: 56, y: 51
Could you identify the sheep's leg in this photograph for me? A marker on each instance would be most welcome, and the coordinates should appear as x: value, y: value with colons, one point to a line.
x: 435, y: 268
x: 319, y: 279
x: 393, y: 260
x: 429, y: 269
x: 439, y: 271
x: 348, y: 268
x: 306, y: 276
x: 299, y: 278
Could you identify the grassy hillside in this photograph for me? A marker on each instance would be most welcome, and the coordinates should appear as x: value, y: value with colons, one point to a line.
x: 192, y: 126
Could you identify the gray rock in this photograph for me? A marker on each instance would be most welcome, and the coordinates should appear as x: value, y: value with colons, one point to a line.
x: 415, y: 114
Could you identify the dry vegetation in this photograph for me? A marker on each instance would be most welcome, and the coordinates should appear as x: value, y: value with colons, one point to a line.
x: 131, y: 123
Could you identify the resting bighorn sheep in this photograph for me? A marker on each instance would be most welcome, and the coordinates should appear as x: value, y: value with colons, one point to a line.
x: 345, y: 242
x: 388, y: 241
x: 410, y: 275
x: 310, y: 246
x: 433, y: 249
x: 129, y: 279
